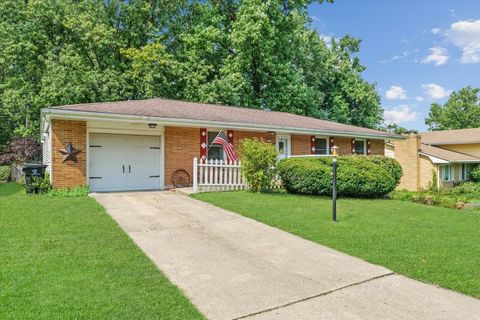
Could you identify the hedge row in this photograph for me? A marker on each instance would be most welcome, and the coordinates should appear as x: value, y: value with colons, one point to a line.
x: 365, y: 177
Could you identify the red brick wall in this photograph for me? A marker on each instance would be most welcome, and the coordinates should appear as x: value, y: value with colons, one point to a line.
x: 344, y: 145
x: 238, y: 136
x: 68, y: 174
x: 181, y: 146
x: 377, y: 147
x: 301, y: 145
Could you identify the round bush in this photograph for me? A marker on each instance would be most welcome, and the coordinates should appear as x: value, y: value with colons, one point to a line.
x: 389, y: 164
x: 305, y: 175
x: 356, y: 176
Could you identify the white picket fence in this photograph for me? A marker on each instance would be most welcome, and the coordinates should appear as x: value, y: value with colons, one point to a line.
x: 217, y: 175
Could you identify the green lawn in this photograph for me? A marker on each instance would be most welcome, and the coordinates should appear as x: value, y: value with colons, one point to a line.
x: 65, y: 258
x: 432, y: 244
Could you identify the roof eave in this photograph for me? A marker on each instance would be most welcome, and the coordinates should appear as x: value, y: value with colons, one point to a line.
x: 451, y: 142
x: 83, y: 115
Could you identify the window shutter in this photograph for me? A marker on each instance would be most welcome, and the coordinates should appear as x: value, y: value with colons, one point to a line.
x: 369, y: 150
x: 203, y: 144
x: 312, y: 144
x: 332, y: 143
x: 353, y: 146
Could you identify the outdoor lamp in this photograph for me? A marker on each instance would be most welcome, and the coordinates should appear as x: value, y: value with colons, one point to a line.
x: 334, y: 152
x: 152, y: 125
x: 334, y: 189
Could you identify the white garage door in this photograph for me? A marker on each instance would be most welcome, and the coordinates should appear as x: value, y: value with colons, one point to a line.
x: 124, y: 162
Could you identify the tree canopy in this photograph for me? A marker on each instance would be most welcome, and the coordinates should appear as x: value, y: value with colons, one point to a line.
x: 461, y: 111
x: 249, y: 53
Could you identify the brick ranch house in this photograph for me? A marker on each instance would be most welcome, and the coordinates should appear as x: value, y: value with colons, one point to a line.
x: 138, y: 145
x: 436, y: 158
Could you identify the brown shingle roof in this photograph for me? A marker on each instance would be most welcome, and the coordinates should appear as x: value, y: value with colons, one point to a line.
x: 174, y: 109
x: 447, y: 154
x: 462, y: 136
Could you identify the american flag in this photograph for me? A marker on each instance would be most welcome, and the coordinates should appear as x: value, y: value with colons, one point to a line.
x: 222, y: 139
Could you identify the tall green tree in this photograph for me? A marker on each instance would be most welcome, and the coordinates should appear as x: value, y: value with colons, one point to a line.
x: 250, y: 53
x: 461, y: 111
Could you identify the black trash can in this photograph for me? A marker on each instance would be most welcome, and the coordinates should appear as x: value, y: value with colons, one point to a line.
x: 33, y: 170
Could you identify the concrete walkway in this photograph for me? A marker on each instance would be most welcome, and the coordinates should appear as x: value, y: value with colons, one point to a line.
x: 232, y: 267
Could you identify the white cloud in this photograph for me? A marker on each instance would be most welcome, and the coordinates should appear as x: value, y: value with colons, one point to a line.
x: 400, y: 114
x: 396, y: 93
x: 466, y: 36
x: 438, y: 56
x: 435, y: 30
x: 419, y: 99
x: 435, y: 91
x: 400, y: 56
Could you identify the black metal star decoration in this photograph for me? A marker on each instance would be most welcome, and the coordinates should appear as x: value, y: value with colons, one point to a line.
x: 70, y: 153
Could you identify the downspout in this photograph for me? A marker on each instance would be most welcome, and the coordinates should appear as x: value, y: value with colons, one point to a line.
x: 438, y: 177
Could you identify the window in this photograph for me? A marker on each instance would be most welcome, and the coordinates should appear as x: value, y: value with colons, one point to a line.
x: 446, y: 173
x: 321, y: 146
x: 360, y: 147
x: 214, y: 151
x: 465, y: 172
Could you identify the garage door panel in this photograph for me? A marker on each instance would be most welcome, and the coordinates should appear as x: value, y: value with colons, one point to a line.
x: 110, y: 154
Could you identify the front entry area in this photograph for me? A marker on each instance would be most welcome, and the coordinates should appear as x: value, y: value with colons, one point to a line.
x: 124, y: 162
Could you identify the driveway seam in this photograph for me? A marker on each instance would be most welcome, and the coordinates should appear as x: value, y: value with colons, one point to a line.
x: 315, y: 296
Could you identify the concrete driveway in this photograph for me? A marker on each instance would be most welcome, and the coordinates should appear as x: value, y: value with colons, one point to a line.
x: 232, y: 267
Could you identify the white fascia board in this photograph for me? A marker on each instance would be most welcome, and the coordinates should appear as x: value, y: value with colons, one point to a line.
x: 434, y: 160
x: 466, y: 161
x: 81, y: 115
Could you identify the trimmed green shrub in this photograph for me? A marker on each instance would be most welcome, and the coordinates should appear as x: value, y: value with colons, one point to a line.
x: 475, y: 174
x: 466, y: 188
x: 258, y: 162
x: 306, y: 175
x: 5, y: 173
x: 80, y: 191
x: 356, y: 177
x: 389, y: 164
x: 41, y: 185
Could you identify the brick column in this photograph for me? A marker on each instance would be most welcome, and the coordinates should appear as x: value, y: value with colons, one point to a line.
x: 406, y: 153
x: 68, y: 174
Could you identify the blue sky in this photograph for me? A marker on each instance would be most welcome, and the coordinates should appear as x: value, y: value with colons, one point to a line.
x: 416, y: 51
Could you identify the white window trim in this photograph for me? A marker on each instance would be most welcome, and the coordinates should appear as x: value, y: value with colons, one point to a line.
x: 364, y: 146
x: 328, y: 143
x: 208, y: 146
x: 464, y: 176
x: 450, y: 172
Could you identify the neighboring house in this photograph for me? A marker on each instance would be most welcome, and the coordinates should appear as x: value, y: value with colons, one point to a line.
x: 137, y: 145
x: 436, y: 158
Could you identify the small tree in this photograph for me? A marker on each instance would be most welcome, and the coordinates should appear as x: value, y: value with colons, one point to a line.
x: 258, y: 161
x: 475, y: 174
x: 21, y: 150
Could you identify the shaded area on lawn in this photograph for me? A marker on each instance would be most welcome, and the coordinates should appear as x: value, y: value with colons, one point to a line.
x: 65, y: 258
x: 432, y: 244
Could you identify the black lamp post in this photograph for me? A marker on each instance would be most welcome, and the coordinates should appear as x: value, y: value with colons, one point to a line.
x: 334, y: 193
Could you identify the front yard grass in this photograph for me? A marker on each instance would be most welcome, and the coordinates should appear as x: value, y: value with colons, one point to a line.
x: 431, y: 244
x: 65, y: 258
